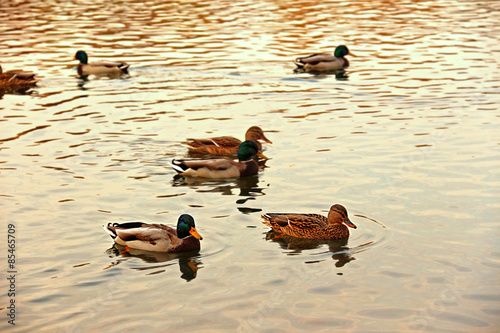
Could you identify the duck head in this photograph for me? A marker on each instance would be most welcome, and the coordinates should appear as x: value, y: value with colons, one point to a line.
x: 247, y: 150
x: 338, y: 215
x: 341, y: 51
x: 186, y: 227
x: 82, y: 56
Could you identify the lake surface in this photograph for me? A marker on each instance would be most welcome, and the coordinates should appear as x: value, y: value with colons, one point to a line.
x: 406, y: 139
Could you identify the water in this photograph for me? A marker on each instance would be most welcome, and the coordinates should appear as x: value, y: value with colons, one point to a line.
x: 406, y: 139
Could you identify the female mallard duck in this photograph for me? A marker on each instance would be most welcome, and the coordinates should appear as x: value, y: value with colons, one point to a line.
x: 226, y: 145
x: 157, y: 237
x: 17, y: 78
x: 324, y: 62
x: 102, y: 67
x: 313, y: 226
x: 222, y: 167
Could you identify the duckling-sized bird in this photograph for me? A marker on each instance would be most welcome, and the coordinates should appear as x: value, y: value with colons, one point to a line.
x: 157, y: 237
x: 222, y: 167
x: 102, y: 67
x: 312, y: 226
x: 226, y: 145
x: 324, y: 62
x: 17, y: 78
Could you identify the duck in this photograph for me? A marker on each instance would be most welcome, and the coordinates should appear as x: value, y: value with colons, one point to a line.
x: 17, y: 78
x: 323, y: 61
x: 219, y: 168
x: 102, y: 67
x: 226, y: 145
x: 157, y: 237
x: 311, y: 226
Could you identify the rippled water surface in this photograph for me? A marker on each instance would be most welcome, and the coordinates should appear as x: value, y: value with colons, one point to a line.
x: 406, y: 138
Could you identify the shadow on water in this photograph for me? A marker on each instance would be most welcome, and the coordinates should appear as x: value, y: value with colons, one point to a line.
x: 340, y: 74
x: 16, y: 90
x: 84, y: 79
x: 246, y: 187
x: 189, y: 262
x: 338, y: 247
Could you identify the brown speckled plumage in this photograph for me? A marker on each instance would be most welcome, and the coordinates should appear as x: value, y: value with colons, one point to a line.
x: 17, y: 78
x: 312, y: 226
x: 225, y: 145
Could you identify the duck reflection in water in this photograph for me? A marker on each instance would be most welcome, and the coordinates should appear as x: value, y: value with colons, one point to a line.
x: 336, y: 246
x: 189, y: 262
x: 247, y: 188
x: 340, y: 74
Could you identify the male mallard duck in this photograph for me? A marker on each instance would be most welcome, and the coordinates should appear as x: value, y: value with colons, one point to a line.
x: 101, y: 67
x: 313, y: 226
x: 222, y: 167
x: 323, y: 61
x: 226, y: 145
x: 157, y: 237
x: 17, y: 78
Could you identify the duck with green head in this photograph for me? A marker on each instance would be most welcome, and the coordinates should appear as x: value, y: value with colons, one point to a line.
x: 101, y: 67
x: 312, y: 226
x: 222, y: 167
x: 323, y: 61
x: 157, y: 237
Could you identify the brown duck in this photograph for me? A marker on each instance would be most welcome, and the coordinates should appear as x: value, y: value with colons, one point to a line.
x: 17, y: 78
x: 312, y: 226
x: 226, y: 145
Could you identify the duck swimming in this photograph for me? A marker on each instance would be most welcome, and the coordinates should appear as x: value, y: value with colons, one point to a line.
x: 102, y: 67
x: 226, y: 145
x: 323, y: 61
x: 17, y: 78
x: 157, y: 237
x: 312, y: 226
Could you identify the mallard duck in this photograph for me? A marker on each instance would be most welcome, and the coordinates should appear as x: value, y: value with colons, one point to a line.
x: 222, y: 167
x: 157, y: 237
x: 323, y: 61
x: 313, y: 226
x: 101, y: 67
x: 17, y: 78
x: 226, y: 145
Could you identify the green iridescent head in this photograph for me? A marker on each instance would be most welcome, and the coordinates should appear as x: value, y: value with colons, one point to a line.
x: 341, y: 51
x: 82, y: 56
x: 186, y: 227
x: 247, y: 150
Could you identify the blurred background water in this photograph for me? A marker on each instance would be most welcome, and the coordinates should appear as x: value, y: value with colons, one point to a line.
x: 405, y: 138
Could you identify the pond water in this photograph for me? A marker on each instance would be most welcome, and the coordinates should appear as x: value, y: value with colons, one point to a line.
x: 406, y: 139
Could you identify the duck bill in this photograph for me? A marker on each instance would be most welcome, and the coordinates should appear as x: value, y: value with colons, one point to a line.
x: 350, y: 224
x: 263, y: 138
x: 349, y: 53
x: 195, y: 233
x: 259, y: 154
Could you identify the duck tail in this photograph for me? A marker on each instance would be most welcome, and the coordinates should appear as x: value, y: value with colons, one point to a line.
x: 110, y: 230
x: 124, y: 67
x: 178, y: 165
x: 266, y: 219
x: 299, y: 63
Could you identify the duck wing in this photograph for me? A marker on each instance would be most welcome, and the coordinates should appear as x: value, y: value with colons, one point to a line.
x: 219, y: 141
x: 19, y: 74
x: 315, y: 59
x: 211, y: 168
x: 110, y: 64
x: 150, y: 233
